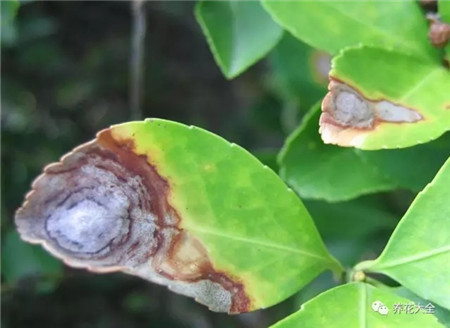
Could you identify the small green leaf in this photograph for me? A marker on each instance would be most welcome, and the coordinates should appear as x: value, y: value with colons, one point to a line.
x: 352, y: 305
x: 301, y: 72
x: 333, y: 25
x: 239, y: 33
x: 20, y: 260
x: 377, y: 101
x: 418, y: 253
x: 319, y: 171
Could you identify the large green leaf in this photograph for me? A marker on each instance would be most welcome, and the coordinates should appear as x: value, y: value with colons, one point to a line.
x: 320, y: 171
x: 442, y: 314
x: 231, y: 227
x: 376, y: 100
x: 418, y: 253
x: 239, y: 33
x: 240, y: 210
x: 333, y: 25
x: 352, y: 305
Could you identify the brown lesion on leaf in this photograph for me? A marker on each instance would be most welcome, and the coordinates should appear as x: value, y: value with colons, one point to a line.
x: 347, y: 116
x: 105, y: 208
x: 439, y: 32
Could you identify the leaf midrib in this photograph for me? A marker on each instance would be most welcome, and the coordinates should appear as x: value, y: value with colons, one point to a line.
x: 412, y: 258
x: 256, y: 242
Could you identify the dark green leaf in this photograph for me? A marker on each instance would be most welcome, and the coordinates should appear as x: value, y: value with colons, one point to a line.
x: 239, y: 33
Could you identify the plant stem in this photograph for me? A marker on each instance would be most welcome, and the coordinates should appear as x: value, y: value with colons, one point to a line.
x: 137, y: 58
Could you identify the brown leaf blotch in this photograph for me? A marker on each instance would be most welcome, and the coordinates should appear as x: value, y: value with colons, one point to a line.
x: 347, y: 116
x: 104, y: 208
x: 439, y: 32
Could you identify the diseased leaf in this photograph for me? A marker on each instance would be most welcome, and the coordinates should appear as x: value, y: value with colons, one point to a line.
x: 239, y: 33
x: 178, y: 206
x: 356, y: 305
x: 376, y: 100
x: 319, y: 171
x: 418, y: 252
x: 334, y: 25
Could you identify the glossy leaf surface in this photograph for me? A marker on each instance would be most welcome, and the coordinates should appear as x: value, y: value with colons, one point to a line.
x: 333, y: 25
x: 319, y: 171
x: 377, y: 101
x: 239, y: 33
x: 239, y: 209
x: 352, y: 305
x: 181, y: 207
x: 418, y: 252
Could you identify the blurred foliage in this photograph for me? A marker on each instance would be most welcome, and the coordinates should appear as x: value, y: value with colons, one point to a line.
x: 65, y: 76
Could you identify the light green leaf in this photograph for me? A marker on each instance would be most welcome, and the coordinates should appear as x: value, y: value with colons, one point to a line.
x: 333, y: 25
x: 352, y: 305
x: 444, y: 12
x: 227, y: 229
x: 319, y: 171
x: 418, y: 252
x: 240, y: 210
x: 376, y: 100
x: 239, y: 33
x: 442, y: 314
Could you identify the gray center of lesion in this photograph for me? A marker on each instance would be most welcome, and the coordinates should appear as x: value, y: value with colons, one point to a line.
x: 352, y: 110
x: 89, y: 225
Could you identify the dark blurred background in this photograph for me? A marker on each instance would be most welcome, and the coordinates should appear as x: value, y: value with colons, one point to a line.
x: 65, y: 76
